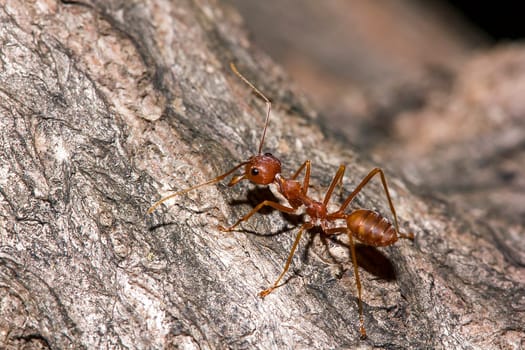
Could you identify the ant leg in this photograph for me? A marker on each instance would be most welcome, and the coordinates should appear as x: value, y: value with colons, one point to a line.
x: 338, y: 179
x: 306, y: 180
x: 356, y: 274
x: 358, y: 284
x: 362, y: 184
x: 266, y: 203
x: 267, y: 291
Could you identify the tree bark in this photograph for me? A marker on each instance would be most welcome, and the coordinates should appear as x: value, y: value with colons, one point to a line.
x: 107, y: 105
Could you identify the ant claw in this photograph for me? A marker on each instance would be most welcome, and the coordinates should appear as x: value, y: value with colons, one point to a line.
x: 224, y: 229
x: 363, y: 332
x: 409, y: 236
x: 265, y: 292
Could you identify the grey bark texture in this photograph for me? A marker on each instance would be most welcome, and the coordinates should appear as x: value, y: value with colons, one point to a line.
x: 107, y: 105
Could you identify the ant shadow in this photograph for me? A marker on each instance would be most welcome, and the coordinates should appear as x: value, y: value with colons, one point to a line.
x: 369, y: 258
x: 155, y: 225
x: 257, y: 195
x: 253, y: 198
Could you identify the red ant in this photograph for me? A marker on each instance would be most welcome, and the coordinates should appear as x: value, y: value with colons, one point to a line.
x: 368, y: 226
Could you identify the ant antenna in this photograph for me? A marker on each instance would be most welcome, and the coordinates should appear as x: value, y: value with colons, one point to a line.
x: 258, y: 92
x: 220, y: 177
x: 212, y: 181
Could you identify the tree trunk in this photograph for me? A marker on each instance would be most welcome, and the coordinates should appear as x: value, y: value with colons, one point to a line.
x: 107, y: 105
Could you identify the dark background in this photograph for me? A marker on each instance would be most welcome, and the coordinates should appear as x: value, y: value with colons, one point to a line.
x: 499, y: 20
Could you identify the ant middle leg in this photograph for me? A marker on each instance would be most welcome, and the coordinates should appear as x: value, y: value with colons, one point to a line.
x: 305, y: 226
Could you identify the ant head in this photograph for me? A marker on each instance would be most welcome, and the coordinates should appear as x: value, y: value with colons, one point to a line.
x: 260, y: 169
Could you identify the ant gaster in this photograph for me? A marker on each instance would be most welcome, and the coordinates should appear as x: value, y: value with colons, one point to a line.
x: 367, y: 226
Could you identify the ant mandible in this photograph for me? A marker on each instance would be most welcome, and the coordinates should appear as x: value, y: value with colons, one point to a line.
x: 367, y: 226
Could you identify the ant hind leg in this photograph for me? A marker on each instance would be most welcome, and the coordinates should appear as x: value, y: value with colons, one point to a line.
x: 351, y: 243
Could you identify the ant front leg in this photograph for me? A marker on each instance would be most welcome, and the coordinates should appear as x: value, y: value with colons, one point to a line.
x: 306, y: 181
x: 288, y: 210
x: 261, y: 205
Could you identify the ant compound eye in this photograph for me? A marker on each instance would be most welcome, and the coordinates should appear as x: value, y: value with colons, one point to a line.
x: 255, y: 171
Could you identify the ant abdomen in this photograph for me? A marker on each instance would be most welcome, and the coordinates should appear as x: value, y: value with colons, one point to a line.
x: 371, y: 228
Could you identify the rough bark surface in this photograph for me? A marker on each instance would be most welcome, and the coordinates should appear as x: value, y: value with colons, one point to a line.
x: 432, y: 99
x: 106, y: 105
